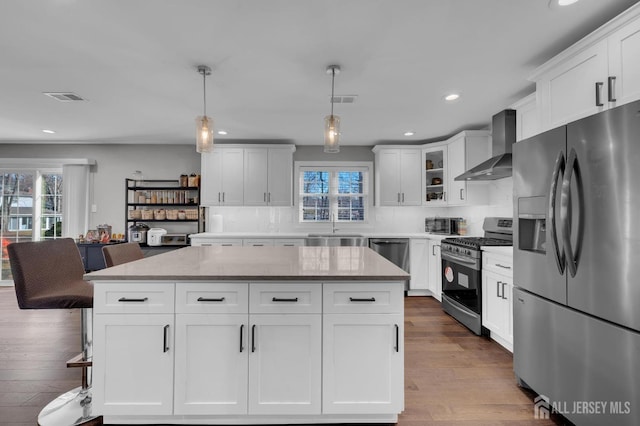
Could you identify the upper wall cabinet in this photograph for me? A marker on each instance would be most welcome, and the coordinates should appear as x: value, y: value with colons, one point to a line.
x: 466, y: 150
x: 268, y: 176
x: 249, y: 175
x: 527, y: 117
x: 397, y: 177
x: 222, y: 177
x: 599, y: 72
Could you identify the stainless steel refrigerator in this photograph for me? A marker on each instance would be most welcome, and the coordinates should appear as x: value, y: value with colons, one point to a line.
x: 576, y: 312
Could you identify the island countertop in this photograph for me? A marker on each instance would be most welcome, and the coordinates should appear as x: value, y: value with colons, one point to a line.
x: 257, y: 263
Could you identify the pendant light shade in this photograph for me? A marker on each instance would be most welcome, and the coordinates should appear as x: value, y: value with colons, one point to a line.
x: 332, y: 122
x: 204, y: 124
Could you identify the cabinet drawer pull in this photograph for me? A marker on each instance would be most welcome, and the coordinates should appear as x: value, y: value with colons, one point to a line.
x: 461, y: 194
x: 277, y: 299
x: 611, y: 80
x: 204, y: 299
x: 241, y: 337
x: 253, y: 338
x: 498, y: 288
x: 124, y: 299
x: 354, y: 299
x: 397, y: 347
x: 503, y: 296
x: 599, y: 85
x: 165, y: 343
x: 503, y: 266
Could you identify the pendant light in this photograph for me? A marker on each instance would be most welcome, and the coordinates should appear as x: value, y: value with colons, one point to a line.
x: 332, y: 122
x: 204, y: 124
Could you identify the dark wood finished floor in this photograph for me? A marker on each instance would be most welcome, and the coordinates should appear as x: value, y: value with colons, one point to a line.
x: 452, y: 377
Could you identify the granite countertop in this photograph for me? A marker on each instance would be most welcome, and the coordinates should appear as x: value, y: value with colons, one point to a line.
x: 258, y: 263
x: 284, y: 235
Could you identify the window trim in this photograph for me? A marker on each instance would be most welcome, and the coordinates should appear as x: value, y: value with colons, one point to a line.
x: 368, y: 165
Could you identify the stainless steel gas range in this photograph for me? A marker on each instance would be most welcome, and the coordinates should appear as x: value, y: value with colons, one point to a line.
x: 462, y: 271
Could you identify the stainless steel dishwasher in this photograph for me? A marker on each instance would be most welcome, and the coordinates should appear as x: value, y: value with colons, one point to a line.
x: 395, y: 250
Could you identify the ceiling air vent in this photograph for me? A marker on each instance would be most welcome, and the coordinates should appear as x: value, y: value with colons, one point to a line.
x: 64, y: 96
x: 344, y: 99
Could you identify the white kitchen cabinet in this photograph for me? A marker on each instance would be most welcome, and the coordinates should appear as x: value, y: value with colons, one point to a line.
x: 258, y: 242
x: 435, y: 168
x: 418, y: 251
x: 435, y: 269
x: 268, y: 176
x: 285, y: 364
x: 497, y: 304
x: 362, y: 363
x: 213, y: 241
x: 288, y: 242
x: 211, y: 374
x: 398, y: 176
x: 527, y: 117
x: 222, y: 177
x: 134, y: 372
x: 466, y: 150
x: 599, y: 72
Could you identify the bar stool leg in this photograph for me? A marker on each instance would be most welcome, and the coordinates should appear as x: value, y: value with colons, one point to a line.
x: 74, y: 407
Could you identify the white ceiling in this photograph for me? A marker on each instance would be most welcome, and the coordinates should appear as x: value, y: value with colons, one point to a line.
x: 135, y: 63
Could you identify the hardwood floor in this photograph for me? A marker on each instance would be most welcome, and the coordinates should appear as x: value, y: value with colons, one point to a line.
x: 452, y: 377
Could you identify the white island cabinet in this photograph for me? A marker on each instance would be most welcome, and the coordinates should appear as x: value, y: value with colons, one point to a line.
x: 200, y: 335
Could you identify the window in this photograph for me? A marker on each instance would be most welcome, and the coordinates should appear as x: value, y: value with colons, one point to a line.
x: 333, y: 192
x: 28, y: 197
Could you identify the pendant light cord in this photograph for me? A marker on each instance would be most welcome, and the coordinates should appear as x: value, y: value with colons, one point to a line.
x: 333, y: 77
x: 204, y: 91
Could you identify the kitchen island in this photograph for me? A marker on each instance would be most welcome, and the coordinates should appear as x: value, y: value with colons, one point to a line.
x: 250, y: 335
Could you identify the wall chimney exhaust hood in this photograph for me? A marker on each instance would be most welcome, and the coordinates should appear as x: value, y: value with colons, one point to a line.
x: 503, y: 137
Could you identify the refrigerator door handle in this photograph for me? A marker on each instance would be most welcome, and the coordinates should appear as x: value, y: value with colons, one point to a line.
x: 558, y: 175
x: 565, y: 202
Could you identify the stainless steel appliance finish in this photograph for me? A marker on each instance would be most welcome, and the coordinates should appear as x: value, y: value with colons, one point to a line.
x: 394, y: 249
x: 503, y: 136
x: 443, y: 225
x: 462, y: 271
x: 335, y: 240
x: 576, y: 268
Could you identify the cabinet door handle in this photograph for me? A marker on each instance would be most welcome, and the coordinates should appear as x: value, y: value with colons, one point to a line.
x: 264, y: 197
x: 403, y: 197
x: 599, y: 85
x: 223, y: 197
x: 498, y: 289
x: 241, y: 337
x: 461, y: 195
x: 611, y: 86
x: 165, y: 343
x: 503, y: 296
x: 206, y: 245
x: 503, y: 266
x: 278, y: 299
x: 219, y: 197
x: 269, y: 197
x: 397, y: 347
x: 354, y: 299
x: 253, y: 338
x: 433, y: 250
x: 204, y: 299
x: 398, y: 198
x: 124, y: 299
x: 444, y: 195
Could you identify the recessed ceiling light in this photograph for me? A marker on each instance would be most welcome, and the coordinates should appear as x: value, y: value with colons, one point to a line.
x: 409, y: 133
x: 556, y: 3
x: 48, y: 131
x: 222, y: 132
x: 451, y: 97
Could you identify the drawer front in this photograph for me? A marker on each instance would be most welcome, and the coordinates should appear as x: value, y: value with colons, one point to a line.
x: 293, y: 298
x: 296, y: 242
x: 215, y: 298
x: 497, y: 263
x: 133, y: 298
x: 258, y: 242
x: 348, y: 298
x: 215, y: 242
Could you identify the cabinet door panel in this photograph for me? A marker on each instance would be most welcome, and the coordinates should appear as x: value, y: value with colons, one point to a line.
x: 211, y: 170
x: 388, y: 177
x: 362, y: 369
x: 285, y: 364
x: 255, y: 177
x: 624, y: 54
x: 435, y: 269
x: 457, y: 165
x: 233, y: 177
x: 410, y: 177
x: 133, y: 370
x: 280, y: 177
x: 569, y: 93
x: 211, y: 370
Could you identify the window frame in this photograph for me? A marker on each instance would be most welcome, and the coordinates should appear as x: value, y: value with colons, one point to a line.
x: 332, y: 167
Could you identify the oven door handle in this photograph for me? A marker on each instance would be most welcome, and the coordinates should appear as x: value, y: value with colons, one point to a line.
x: 455, y: 258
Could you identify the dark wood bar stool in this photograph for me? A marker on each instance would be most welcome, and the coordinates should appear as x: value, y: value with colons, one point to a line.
x: 118, y: 254
x: 48, y: 275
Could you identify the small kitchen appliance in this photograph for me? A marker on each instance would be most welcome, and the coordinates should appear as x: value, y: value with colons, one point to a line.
x: 462, y: 270
x: 138, y: 233
x: 154, y: 236
x: 443, y: 225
